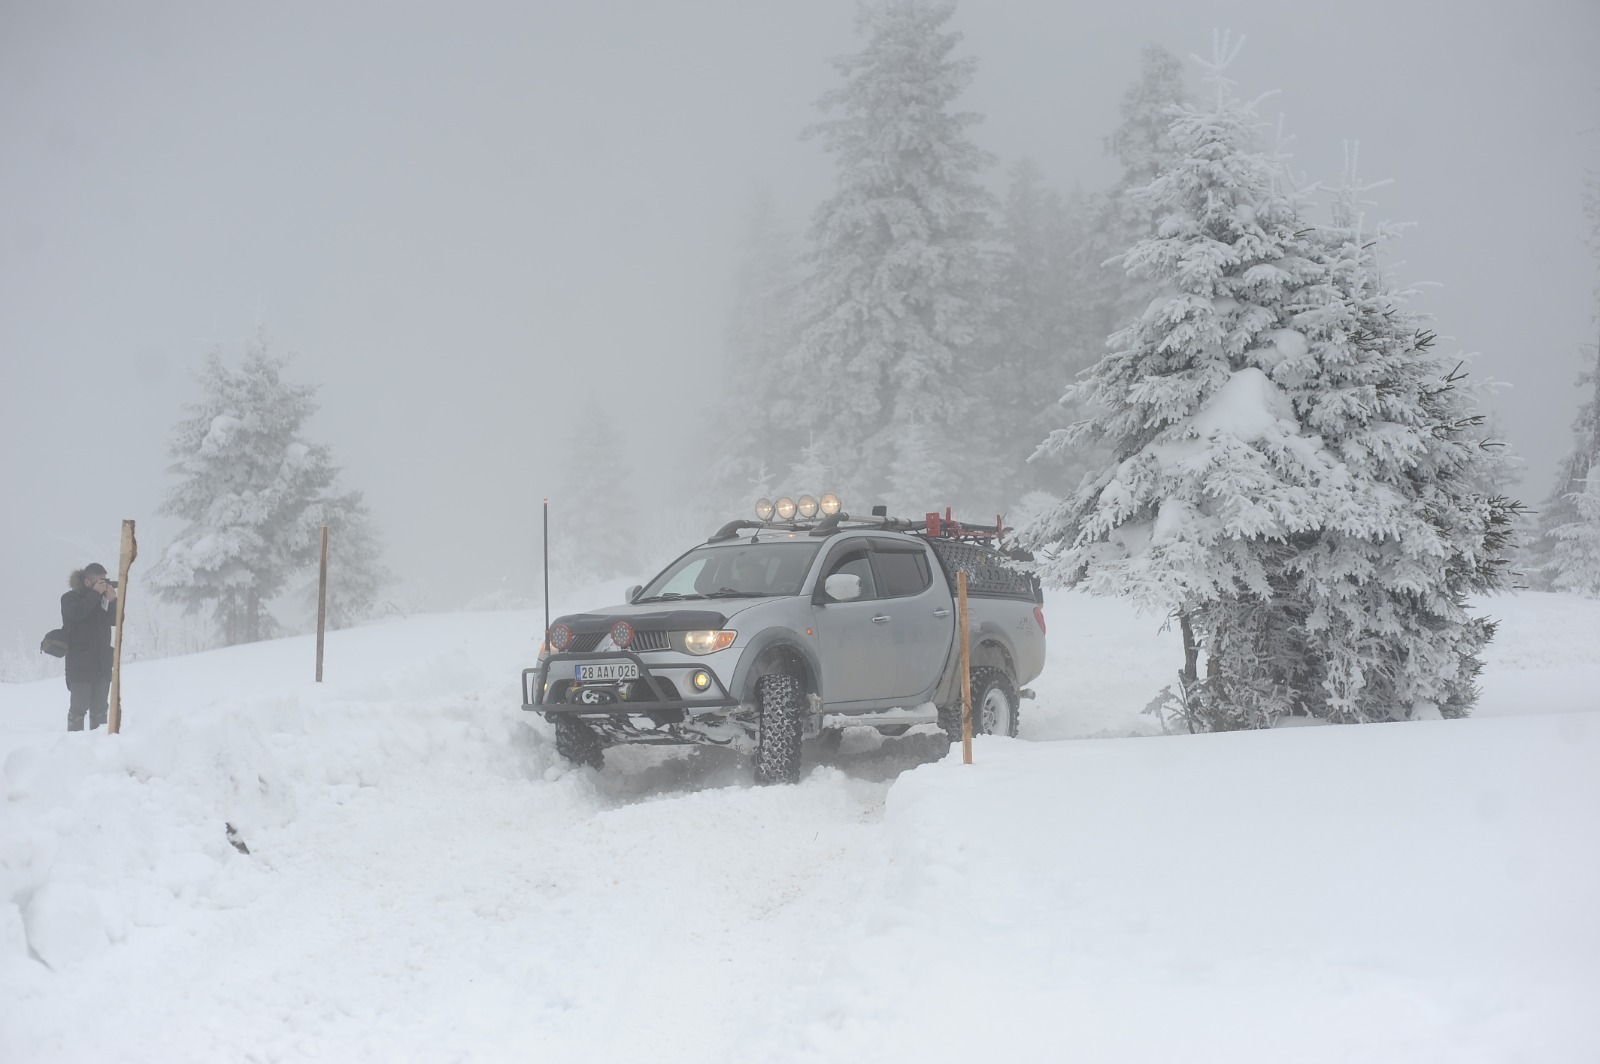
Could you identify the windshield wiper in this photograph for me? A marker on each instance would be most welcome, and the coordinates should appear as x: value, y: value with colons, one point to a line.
x: 666, y: 596
x: 728, y: 592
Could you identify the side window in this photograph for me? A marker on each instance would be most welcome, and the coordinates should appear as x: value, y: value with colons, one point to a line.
x: 902, y: 572
x: 852, y: 562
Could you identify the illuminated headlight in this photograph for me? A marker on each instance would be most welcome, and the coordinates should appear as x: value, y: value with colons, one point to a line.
x: 829, y: 504
x: 700, y: 680
x: 807, y: 506
x: 764, y: 509
x: 785, y: 509
x: 703, y: 642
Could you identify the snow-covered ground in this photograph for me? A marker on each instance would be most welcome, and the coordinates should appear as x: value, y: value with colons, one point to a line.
x: 427, y: 882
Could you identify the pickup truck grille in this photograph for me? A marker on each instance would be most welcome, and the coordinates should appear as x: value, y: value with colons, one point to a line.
x: 650, y: 641
x: 584, y: 642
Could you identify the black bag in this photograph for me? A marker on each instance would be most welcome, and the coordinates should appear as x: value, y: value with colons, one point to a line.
x: 55, y: 643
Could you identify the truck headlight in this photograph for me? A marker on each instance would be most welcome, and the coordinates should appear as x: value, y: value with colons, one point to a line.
x: 703, y: 642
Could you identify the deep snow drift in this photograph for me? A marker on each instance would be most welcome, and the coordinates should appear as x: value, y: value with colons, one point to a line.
x: 427, y: 882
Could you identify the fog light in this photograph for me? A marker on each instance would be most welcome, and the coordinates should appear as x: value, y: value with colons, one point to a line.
x: 785, y: 508
x: 701, y: 680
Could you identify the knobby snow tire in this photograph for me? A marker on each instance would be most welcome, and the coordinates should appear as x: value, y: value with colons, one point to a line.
x: 577, y: 743
x: 986, y: 680
x: 779, y: 700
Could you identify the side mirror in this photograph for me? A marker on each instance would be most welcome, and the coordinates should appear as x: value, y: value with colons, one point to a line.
x: 843, y: 587
x: 632, y: 593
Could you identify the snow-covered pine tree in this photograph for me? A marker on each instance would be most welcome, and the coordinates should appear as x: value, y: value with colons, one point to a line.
x: 900, y: 290
x: 761, y: 409
x: 253, y: 494
x: 1038, y: 329
x: 1142, y: 145
x: 595, y: 518
x: 1383, y: 600
x: 809, y: 475
x: 1575, y: 547
x: 1565, y: 552
x: 1104, y: 296
x: 356, y: 573
x: 1257, y: 489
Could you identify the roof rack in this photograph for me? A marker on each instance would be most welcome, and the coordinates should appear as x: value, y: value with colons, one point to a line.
x: 947, y: 527
x: 934, y: 524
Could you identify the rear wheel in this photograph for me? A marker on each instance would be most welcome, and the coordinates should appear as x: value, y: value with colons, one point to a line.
x: 779, y: 700
x: 576, y: 742
x: 994, y: 702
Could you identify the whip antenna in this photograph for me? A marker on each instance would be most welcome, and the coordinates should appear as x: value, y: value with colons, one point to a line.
x: 546, y: 569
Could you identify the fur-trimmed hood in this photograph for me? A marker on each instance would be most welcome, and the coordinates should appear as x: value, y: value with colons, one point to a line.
x: 75, y: 581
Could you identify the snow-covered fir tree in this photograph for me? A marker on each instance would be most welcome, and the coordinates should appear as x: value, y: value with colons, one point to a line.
x: 899, y: 294
x: 357, y: 577
x: 595, y: 518
x: 1385, y: 605
x: 1103, y: 295
x: 810, y: 475
x: 759, y: 422
x: 1565, y: 552
x: 1291, y: 471
x: 253, y: 494
x: 1575, y: 549
x: 1117, y: 219
x: 1037, y: 329
x: 1562, y: 554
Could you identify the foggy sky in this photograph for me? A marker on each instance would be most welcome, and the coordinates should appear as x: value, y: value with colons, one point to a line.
x: 491, y: 232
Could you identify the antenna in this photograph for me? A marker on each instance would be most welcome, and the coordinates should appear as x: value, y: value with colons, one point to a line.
x: 546, y: 545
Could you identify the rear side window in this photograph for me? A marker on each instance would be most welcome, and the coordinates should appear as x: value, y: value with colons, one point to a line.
x: 902, y: 572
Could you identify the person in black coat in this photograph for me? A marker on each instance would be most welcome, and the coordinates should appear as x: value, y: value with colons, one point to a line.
x: 88, y: 613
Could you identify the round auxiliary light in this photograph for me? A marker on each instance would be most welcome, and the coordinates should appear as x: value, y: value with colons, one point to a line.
x: 785, y: 509
x: 807, y: 506
x: 764, y: 509
x: 621, y: 634
x: 829, y: 503
x: 559, y: 637
x: 700, y: 680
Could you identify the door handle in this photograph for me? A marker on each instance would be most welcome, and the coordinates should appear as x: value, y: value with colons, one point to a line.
x: 941, y: 612
x: 882, y: 618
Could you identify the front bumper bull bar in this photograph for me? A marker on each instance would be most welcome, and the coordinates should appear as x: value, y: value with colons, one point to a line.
x: 654, y: 691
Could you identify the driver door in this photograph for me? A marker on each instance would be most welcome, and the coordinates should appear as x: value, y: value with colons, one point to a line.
x: 857, y: 655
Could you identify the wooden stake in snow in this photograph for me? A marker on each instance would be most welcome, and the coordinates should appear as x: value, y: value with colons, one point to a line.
x: 966, y: 671
x: 322, y: 600
x: 130, y: 551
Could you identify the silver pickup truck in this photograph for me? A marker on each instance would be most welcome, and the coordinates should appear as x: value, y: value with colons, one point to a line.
x: 781, y: 630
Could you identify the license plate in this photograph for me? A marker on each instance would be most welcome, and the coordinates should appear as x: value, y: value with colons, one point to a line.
x: 611, y: 670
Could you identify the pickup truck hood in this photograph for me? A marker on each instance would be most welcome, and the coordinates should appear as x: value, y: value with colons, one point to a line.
x: 677, y: 616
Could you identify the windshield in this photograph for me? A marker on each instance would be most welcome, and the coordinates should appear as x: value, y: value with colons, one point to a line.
x: 748, y: 570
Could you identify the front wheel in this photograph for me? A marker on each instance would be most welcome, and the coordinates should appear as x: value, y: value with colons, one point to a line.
x: 779, y: 701
x: 577, y: 743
